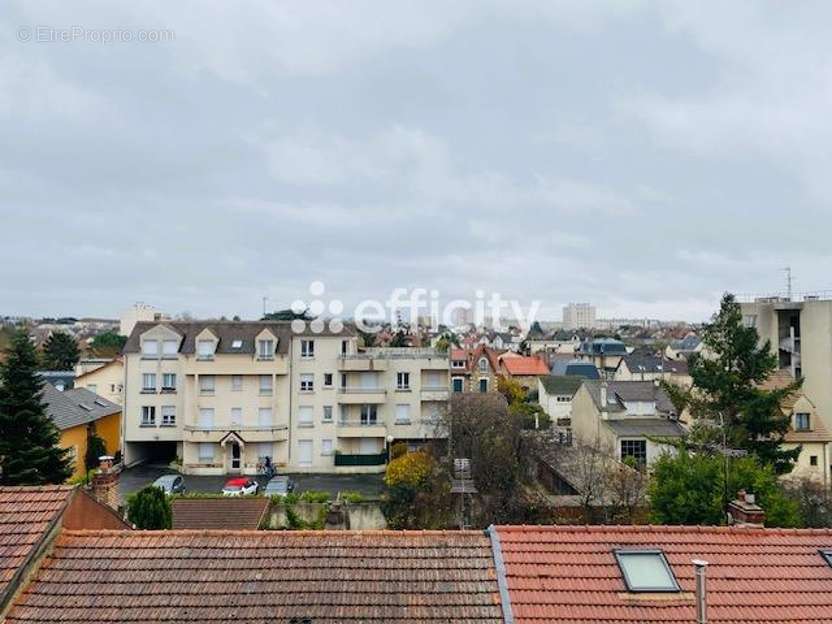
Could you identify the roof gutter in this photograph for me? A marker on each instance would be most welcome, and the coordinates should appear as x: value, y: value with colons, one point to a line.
x: 500, y: 567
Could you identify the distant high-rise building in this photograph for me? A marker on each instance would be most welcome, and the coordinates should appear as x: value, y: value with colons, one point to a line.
x: 578, y: 315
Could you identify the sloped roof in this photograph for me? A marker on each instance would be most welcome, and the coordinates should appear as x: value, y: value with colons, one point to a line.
x: 248, y: 577
x: 236, y: 512
x: 652, y: 363
x: 637, y: 427
x: 561, y: 384
x: 630, y: 391
x: 521, y: 365
x: 227, y: 332
x: 79, y: 406
x: 568, y: 574
x: 27, y: 513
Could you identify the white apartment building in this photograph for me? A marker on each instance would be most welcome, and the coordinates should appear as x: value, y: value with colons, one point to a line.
x: 220, y: 396
x: 578, y: 315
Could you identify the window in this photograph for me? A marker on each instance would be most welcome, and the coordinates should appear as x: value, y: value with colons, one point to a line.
x: 343, y: 380
x: 458, y: 384
x: 563, y: 399
x: 264, y: 417
x: 801, y: 421
x: 458, y: 364
x: 326, y: 447
x: 206, y: 418
x: 206, y: 384
x: 483, y: 385
x: 236, y: 344
x: 646, y: 571
x: 637, y: 449
x: 236, y: 416
x: 403, y: 414
x: 433, y: 381
x: 327, y: 380
x: 483, y: 364
x: 265, y: 349
x: 170, y: 347
x: 305, y: 416
x: 402, y: 381
x: 813, y: 460
x: 168, y: 381
x: 168, y: 416
x: 266, y: 387
x: 148, y: 416
x: 345, y: 345
x: 150, y: 348
x: 307, y: 382
x: 369, y: 415
x: 236, y: 383
x: 307, y: 348
x: 206, y: 452
x: 92, y: 388
x: 149, y: 382
x: 205, y: 349
x: 827, y: 555
x: 327, y: 414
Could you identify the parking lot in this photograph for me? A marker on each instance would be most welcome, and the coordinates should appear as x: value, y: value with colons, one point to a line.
x: 370, y: 486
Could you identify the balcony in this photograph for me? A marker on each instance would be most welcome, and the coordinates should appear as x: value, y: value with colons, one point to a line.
x: 343, y: 459
x: 236, y: 364
x: 249, y: 433
x: 360, y: 396
x: 435, y: 393
x: 358, y: 428
x: 361, y: 363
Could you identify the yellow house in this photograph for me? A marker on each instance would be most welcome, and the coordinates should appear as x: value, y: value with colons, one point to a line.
x: 79, y: 412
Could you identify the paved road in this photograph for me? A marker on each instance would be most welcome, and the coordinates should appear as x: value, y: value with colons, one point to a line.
x: 370, y: 486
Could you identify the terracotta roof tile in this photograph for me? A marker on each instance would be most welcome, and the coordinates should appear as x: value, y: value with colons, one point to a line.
x: 569, y: 574
x: 247, y: 577
x: 525, y: 366
x: 26, y: 514
x: 219, y: 513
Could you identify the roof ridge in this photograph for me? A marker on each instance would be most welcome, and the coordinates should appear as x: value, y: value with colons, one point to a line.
x: 660, y: 528
x: 304, y: 532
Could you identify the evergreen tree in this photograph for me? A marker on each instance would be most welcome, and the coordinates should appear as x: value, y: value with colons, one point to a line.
x: 108, y: 344
x: 96, y: 448
x: 149, y: 508
x: 727, y: 397
x: 29, y: 452
x: 60, y: 352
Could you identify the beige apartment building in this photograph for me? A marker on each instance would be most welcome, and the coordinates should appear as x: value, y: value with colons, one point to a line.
x: 218, y: 397
x: 800, y: 332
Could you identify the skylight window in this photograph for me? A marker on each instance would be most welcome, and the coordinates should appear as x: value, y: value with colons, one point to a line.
x: 101, y: 402
x: 86, y: 407
x: 827, y: 555
x: 237, y: 344
x: 646, y: 571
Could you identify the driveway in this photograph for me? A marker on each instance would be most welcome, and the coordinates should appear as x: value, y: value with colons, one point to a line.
x: 134, y: 479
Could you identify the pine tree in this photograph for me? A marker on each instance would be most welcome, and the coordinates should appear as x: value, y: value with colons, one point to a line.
x: 60, y: 352
x: 727, y: 389
x: 29, y: 452
x: 149, y: 508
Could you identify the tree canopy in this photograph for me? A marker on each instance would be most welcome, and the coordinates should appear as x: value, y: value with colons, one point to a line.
x: 108, y: 344
x: 60, y: 352
x: 149, y: 508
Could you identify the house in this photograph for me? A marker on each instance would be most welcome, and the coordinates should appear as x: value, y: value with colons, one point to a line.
x: 104, y: 377
x: 474, y: 370
x: 221, y: 396
x: 558, y: 341
x: 525, y: 370
x: 604, y: 353
x: 62, y: 380
x: 684, y: 348
x: 647, y: 574
x: 555, y: 394
x: 31, y: 518
x: 645, y: 365
x: 231, y: 513
x: 77, y: 413
x: 807, y: 431
x: 252, y: 577
x: 577, y: 368
x: 624, y: 418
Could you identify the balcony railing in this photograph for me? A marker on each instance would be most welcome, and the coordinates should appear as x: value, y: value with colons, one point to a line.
x: 231, y: 427
x: 356, y: 422
x: 353, y: 390
x: 396, y: 353
x: 343, y: 459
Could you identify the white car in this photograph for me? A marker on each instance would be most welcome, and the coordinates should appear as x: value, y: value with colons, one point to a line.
x: 240, y: 486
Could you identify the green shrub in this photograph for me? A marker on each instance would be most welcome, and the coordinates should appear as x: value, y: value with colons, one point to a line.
x: 149, y: 508
x: 352, y: 497
x: 314, y: 496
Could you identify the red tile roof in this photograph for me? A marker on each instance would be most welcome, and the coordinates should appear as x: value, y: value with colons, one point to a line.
x: 525, y: 366
x: 233, y: 512
x: 26, y: 515
x: 569, y: 575
x: 337, y: 577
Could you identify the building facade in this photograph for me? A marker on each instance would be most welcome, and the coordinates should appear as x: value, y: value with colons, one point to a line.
x: 578, y: 316
x: 218, y: 397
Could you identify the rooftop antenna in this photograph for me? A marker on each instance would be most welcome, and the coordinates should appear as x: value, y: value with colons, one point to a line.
x: 788, y: 271
x: 265, y: 299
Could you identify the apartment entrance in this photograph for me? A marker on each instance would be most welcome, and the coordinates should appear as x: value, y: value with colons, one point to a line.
x: 233, y: 445
x: 235, y: 457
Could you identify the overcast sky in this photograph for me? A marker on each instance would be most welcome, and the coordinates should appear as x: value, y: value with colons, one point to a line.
x: 643, y: 156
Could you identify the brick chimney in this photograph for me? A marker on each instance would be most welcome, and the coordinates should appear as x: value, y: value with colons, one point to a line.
x: 105, y: 482
x: 745, y: 512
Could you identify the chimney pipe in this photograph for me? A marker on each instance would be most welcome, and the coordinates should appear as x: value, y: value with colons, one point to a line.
x: 699, y: 567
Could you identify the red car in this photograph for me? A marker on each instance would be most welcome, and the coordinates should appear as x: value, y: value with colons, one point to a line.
x: 240, y: 486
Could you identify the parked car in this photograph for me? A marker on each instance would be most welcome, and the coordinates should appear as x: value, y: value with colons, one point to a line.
x: 279, y: 486
x: 170, y: 483
x: 240, y: 486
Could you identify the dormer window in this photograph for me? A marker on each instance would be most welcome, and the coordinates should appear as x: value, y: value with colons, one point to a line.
x: 646, y: 571
x: 236, y: 344
x: 458, y: 364
x: 150, y: 348
x: 205, y: 349
x: 827, y: 556
x: 170, y: 347
x: 802, y: 421
x: 483, y: 364
x: 265, y: 349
